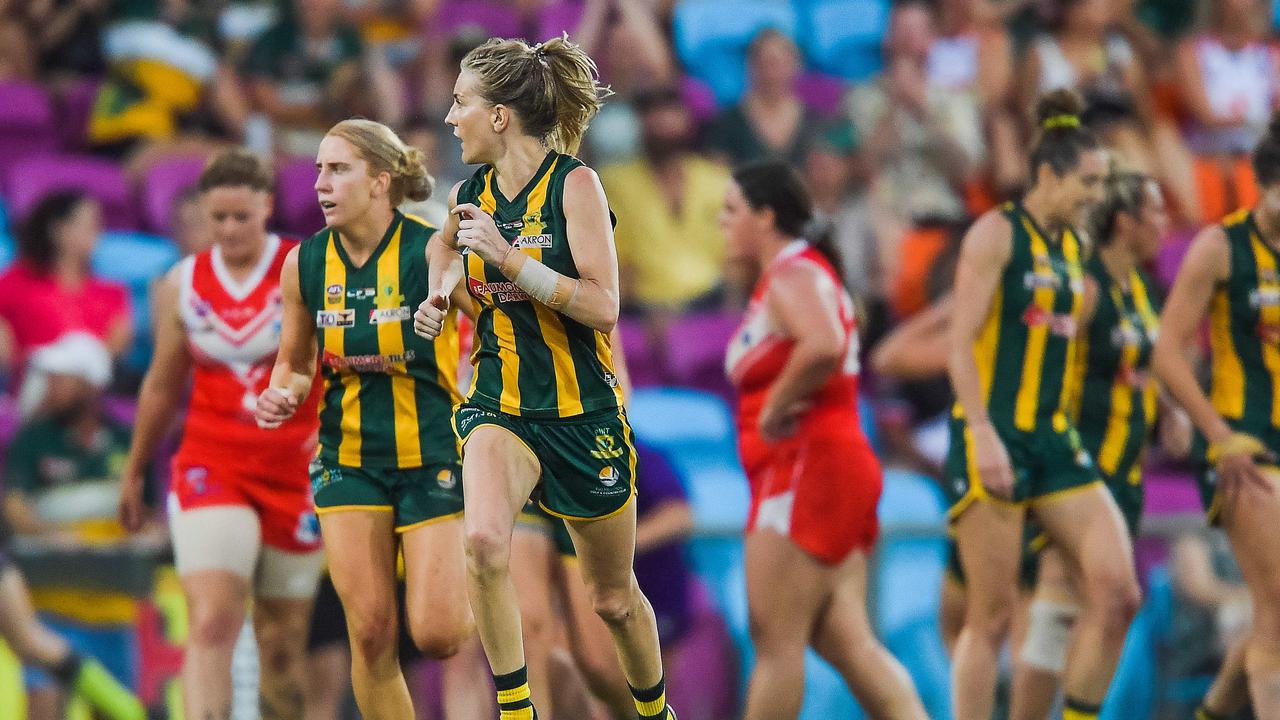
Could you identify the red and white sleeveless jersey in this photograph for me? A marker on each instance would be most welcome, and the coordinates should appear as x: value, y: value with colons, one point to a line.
x: 759, y: 351
x: 233, y: 333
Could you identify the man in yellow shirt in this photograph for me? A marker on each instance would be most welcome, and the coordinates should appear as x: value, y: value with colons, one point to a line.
x: 670, y: 248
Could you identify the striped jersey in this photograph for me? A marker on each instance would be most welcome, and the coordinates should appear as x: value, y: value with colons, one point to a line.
x: 1244, y: 323
x: 529, y: 359
x: 388, y: 393
x: 1025, y: 349
x: 1117, y: 402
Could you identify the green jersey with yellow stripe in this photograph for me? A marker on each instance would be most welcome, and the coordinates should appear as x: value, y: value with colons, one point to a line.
x: 388, y: 393
x: 1025, y: 350
x: 1117, y: 390
x: 1244, y: 321
x: 530, y: 360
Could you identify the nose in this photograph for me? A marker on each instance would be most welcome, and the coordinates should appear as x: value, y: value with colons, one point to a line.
x: 322, y: 182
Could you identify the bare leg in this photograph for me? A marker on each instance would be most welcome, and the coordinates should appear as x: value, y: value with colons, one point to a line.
x: 1036, y: 678
x: 216, y: 601
x: 1230, y: 690
x: 786, y: 590
x: 281, y: 625
x: 361, y: 547
x: 592, y: 646
x: 1250, y: 524
x: 843, y: 636
x: 328, y: 679
x: 533, y: 572
x: 468, y: 695
x: 951, y: 608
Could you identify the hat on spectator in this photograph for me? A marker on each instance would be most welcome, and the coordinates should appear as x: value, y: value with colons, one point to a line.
x: 74, y: 354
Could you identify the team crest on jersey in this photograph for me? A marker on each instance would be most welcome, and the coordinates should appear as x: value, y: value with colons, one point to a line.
x: 446, y: 479
x: 606, y: 446
x: 335, y: 318
x: 532, y: 241
x: 378, y: 316
x: 1041, y: 278
x: 609, y: 476
x: 510, y: 225
x: 333, y: 293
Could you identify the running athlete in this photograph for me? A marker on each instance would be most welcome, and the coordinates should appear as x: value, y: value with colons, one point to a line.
x: 545, y: 410
x: 240, y: 504
x: 814, y: 480
x: 1116, y: 412
x: 386, y: 475
x: 1019, y: 297
x: 1232, y: 274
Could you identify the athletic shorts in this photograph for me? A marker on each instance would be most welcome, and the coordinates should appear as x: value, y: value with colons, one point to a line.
x: 416, y: 496
x: 1128, y: 493
x: 1207, y: 476
x: 535, y: 518
x: 282, y: 499
x: 820, y: 488
x: 1047, y: 462
x: 588, y: 462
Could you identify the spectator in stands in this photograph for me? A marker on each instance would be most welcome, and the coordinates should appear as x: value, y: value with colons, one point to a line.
x: 18, y: 56
x: 1211, y: 617
x: 63, y: 486
x: 168, y: 88
x: 670, y: 247
x: 311, y: 70
x: 1228, y: 86
x: 51, y: 290
x: 634, y: 56
x: 972, y: 54
x: 67, y: 35
x: 770, y: 121
x: 924, y: 145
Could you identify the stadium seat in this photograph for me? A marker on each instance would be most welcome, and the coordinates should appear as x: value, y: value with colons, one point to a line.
x: 35, y: 176
x: 821, y: 93
x: 711, y: 37
x: 164, y: 181
x: 74, y: 110
x: 642, y: 364
x: 7, y: 250
x: 494, y: 19
x: 27, y: 121
x: 135, y: 259
x: 559, y: 17
x: 842, y: 37
x: 696, y: 345
x: 699, y: 98
x: 297, y: 211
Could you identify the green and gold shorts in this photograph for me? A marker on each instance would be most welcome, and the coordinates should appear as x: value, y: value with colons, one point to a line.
x: 416, y: 496
x: 588, y: 462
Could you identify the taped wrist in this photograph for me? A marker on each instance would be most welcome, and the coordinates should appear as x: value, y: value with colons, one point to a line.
x: 541, y: 282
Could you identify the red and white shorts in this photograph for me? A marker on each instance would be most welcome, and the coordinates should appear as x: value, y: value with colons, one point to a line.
x: 281, y: 499
x: 820, y: 488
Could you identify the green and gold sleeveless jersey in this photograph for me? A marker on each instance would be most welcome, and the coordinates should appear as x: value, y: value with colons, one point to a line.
x: 1117, y: 403
x: 388, y: 393
x: 529, y: 359
x: 1244, y: 322
x: 1025, y: 349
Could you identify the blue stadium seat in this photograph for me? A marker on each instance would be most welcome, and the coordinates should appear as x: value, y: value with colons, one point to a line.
x: 711, y: 37
x: 843, y: 37
x: 7, y: 250
x: 135, y: 259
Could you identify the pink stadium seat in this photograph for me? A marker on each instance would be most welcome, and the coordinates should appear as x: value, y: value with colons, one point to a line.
x: 559, y: 17
x: 492, y: 18
x: 163, y: 182
x: 31, y: 178
x: 27, y: 124
x: 699, y: 98
x: 73, y: 115
x: 297, y: 211
x: 695, y: 350
x: 822, y: 93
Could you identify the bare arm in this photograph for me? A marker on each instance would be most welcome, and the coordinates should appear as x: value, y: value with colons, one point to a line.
x: 918, y: 348
x: 983, y: 256
x: 670, y: 522
x: 620, y: 368
x: 1191, y: 87
x: 295, y: 367
x: 805, y: 305
x: 228, y: 100
x: 1205, y: 265
x: 444, y: 262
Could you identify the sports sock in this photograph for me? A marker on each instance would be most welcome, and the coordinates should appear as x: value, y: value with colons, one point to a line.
x: 513, y: 696
x: 651, y: 703
x: 1077, y: 710
x: 1204, y: 713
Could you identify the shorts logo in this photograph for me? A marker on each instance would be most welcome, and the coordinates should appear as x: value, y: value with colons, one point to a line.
x: 335, y: 318
x: 333, y: 293
x: 308, y: 530
x: 610, y: 379
x: 609, y: 476
x: 195, y: 478
x: 960, y: 485
x: 446, y: 479
x: 378, y: 316
x: 322, y: 477
x: 606, y: 446
x: 1083, y: 459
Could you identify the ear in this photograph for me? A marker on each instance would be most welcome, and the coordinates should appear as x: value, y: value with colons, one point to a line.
x: 381, y: 184
x: 499, y: 118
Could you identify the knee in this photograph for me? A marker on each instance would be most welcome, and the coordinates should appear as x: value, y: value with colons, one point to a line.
x: 616, y: 606
x: 281, y: 649
x: 488, y: 552
x: 373, y: 631
x: 1116, y: 595
x: 214, y: 624
x: 434, y: 641
x: 989, y: 619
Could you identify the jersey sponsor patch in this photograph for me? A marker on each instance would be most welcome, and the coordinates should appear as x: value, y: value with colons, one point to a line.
x: 377, y: 316
x: 532, y: 241
x: 505, y: 291
x: 336, y: 318
x: 366, y: 363
x: 1059, y: 324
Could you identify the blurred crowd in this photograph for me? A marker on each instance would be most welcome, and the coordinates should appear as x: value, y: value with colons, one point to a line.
x: 901, y: 150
